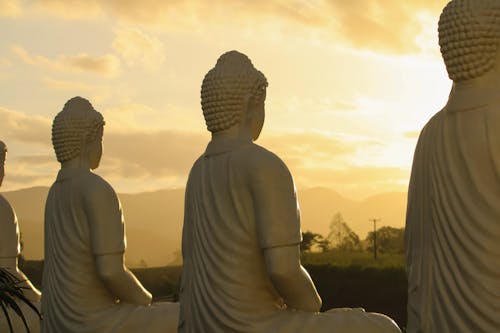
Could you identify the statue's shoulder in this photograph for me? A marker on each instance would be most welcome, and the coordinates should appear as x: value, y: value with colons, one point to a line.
x: 262, y: 161
x: 264, y: 155
x: 94, y: 186
x: 430, y: 127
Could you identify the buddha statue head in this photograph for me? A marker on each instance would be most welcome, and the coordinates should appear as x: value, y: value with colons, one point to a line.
x: 77, y: 134
x: 233, y: 94
x: 3, y: 155
x: 469, y: 34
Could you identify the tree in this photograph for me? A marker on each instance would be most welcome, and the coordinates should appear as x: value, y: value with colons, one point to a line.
x: 341, y: 236
x: 309, y: 239
x: 389, y: 240
x: 323, y: 243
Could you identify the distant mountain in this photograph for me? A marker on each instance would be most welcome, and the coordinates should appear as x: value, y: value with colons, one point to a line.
x: 153, y: 223
x: 319, y: 205
x: 154, y: 219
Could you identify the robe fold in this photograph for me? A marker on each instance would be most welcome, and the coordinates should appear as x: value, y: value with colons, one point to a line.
x: 240, y: 200
x: 9, y: 249
x: 453, y: 224
x: 75, y: 299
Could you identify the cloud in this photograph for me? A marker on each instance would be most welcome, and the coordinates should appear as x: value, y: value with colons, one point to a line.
x: 150, y: 160
x: 23, y: 128
x: 66, y: 85
x: 353, y: 181
x: 354, y: 175
x: 30, y: 160
x: 10, y: 8
x: 139, y: 48
x: 136, y: 160
x: 167, y: 153
x: 310, y: 149
x: 40, y: 160
x: 412, y: 134
x: 381, y: 25
x: 29, y: 142
x: 29, y: 170
x: 160, y: 153
x: 107, y: 64
x: 317, y: 159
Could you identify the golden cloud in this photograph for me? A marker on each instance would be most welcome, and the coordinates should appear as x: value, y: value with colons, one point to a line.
x: 381, y: 25
x: 139, y: 48
x: 412, y: 134
x: 20, y: 127
x: 105, y: 65
x: 66, y: 85
x: 314, y: 159
x: 161, y: 153
x: 310, y: 149
x: 10, y: 8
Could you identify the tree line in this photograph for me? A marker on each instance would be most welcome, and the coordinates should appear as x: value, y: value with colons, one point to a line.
x: 341, y: 237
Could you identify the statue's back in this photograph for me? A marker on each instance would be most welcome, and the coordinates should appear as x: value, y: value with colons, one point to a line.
x: 453, y: 224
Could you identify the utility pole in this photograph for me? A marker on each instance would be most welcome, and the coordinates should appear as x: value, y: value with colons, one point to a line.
x: 374, y: 237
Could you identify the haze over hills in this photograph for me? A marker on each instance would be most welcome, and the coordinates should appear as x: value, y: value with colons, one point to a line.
x: 154, y: 219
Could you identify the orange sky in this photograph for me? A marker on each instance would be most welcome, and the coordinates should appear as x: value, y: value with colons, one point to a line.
x: 351, y: 83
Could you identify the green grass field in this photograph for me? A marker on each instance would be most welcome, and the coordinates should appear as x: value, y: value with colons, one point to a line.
x: 353, y: 258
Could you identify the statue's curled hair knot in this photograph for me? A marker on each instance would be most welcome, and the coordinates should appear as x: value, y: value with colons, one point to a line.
x: 225, y: 88
x: 469, y: 34
x: 77, y: 124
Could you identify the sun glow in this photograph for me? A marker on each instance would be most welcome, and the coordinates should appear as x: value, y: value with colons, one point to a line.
x: 347, y: 95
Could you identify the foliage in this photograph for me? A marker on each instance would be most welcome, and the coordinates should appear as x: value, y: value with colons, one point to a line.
x: 389, y: 240
x: 341, y: 236
x: 308, y: 240
x: 10, y: 293
x: 323, y: 244
x: 312, y: 240
x: 343, y: 258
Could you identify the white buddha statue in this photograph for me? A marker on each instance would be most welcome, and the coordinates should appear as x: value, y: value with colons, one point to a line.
x: 453, y: 216
x: 9, y: 253
x: 86, y: 286
x: 241, y: 234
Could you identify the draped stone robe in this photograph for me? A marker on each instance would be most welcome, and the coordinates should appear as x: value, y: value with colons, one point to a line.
x: 453, y: 224
x: 75, y: 299
x: 240, y: 200
x: 9, y: 230
x: 10, y: 249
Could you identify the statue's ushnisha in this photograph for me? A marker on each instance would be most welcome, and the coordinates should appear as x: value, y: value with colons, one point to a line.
x: 241, y: 234
x: 9, y: 253
x: 453, y: 215
x: 86, y: 286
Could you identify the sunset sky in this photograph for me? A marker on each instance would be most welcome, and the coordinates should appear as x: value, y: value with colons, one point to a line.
x: 351, y: 83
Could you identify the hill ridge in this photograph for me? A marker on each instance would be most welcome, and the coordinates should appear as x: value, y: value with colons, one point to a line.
x: 154, y: 218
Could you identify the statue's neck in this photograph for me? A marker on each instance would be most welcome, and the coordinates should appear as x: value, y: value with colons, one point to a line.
x: 76, y: 163
x: 235, y: 133
x: 474, y: 93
